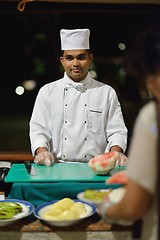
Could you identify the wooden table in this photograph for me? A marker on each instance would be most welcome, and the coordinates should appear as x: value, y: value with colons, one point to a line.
x: 89, y: 229
x: 16, y: 156
x: 13, y: 157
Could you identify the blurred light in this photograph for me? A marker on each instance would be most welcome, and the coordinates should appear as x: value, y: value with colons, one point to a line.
x: 40, y: 36
x: 39, y: 67
x: 122, y: 46
x: 93, y: 74
x: 122, y: 72
x: 19, y: 90
x: 29, y: 85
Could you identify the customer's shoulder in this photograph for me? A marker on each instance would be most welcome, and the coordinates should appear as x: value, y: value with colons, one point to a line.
x: 148, y: 108
x: 147, y: 113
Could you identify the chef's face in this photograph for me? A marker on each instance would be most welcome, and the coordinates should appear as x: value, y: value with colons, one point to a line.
x: 153, y: 84
x: 76, y: 63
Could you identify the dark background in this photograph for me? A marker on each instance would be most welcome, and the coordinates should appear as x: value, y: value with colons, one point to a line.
x: 30, y: 49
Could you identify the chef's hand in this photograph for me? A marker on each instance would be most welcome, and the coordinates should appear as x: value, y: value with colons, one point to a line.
x: 122, y: 160
x: 44, y: 158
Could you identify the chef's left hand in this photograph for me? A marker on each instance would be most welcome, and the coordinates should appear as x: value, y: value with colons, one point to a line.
x: 44, y: 158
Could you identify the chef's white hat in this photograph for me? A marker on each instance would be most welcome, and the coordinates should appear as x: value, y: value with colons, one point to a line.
x: 74, y: 39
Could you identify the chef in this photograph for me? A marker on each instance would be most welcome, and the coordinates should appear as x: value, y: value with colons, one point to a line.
x: 76, y: 117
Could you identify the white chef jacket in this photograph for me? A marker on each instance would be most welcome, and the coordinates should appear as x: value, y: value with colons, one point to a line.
x: 77, y: 120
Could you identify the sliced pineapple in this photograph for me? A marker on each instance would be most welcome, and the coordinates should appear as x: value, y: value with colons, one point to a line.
x: 65, y: 209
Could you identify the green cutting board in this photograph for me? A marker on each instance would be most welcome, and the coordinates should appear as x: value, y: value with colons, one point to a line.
x: 58, y: 172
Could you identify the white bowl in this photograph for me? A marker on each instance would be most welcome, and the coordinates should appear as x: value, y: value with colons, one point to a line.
x: 96, y: 202
x: 90, y: 210
x: 27, y: 209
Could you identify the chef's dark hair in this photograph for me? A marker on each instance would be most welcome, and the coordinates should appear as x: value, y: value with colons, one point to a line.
x: 143, y: 57
x: 88, y: 50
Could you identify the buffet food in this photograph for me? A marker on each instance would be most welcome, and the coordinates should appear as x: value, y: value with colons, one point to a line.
x: 104, y: 163
x: 92, y: 196
x: 96, y: 195
x: 65, y: 209
x: 9, y: 209
x: 64, y: 212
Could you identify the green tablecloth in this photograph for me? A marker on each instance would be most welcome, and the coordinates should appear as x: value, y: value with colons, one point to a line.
x: 55, y: 182
x: 39, y: 193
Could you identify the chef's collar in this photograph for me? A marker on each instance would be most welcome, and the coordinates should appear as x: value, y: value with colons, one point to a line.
x: 80, y: 86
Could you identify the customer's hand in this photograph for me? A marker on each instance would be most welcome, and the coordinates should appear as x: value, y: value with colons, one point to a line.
x: 118, y: 178
x: 44, y: 158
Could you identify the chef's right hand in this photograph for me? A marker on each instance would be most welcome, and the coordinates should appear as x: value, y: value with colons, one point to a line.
x: 44, y: 158
x: 122, y: 161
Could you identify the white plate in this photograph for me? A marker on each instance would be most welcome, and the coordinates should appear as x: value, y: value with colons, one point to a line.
x: 90, y: 209
x: 27, y: 209
x: 80, y: 196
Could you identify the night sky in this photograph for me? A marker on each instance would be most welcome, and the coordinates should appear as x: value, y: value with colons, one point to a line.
x: 30, y: 49
x: 30, y: 40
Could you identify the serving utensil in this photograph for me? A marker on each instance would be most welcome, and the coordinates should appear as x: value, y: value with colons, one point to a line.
x: 30, y: 169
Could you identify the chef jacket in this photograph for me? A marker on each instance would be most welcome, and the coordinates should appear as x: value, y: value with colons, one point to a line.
x: 77, y: 120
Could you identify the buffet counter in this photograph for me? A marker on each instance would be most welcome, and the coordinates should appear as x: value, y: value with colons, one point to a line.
x: 53, y: 183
